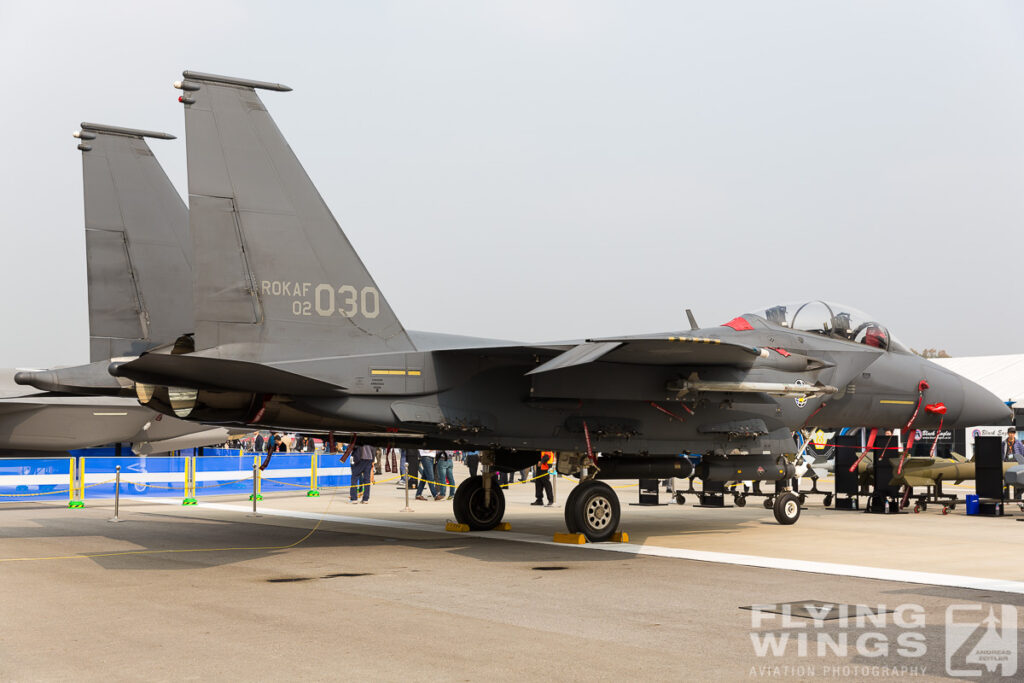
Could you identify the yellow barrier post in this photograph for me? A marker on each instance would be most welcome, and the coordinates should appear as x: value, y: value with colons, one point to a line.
x: 257, y: 486
x: 81, y: 481
x: 313, y: 483
x: 190, y: 481
x: 73, y: 485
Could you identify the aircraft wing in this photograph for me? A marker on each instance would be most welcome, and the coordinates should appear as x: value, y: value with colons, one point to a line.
x: 219, y: 374
x: 655, y: 351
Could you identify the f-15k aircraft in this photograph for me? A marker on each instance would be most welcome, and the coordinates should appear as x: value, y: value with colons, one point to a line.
x: 138, y: 256
x: 292, y: 332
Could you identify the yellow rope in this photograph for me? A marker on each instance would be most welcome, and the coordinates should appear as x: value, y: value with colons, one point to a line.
x: 43, y: 493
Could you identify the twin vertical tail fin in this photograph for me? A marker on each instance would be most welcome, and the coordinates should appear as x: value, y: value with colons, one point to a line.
x: 138, y: 250
x: 137, y: 255
x: 275, y: 278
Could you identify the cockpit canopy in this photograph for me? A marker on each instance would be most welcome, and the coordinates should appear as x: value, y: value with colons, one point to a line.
x: 831, y: 319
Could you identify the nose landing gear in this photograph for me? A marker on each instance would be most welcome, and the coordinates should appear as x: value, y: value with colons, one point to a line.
x: 787, y: 508
x: 476, y: 506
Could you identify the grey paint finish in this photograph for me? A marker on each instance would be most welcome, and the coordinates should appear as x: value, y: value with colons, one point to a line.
x: 137, y: 244
x: 32, y: 420
x: 639, y: 395
x: 275, y: 272
x: 139, y: 298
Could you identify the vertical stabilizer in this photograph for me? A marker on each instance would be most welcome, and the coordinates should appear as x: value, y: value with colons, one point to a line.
x: 137, y: 244
x: 275, y: 277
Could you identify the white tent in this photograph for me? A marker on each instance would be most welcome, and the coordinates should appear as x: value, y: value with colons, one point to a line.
x: 1002, y: 375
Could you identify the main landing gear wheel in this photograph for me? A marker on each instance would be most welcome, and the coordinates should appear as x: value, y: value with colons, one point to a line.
x: 570, y: 515
x: 787, y: 508
x: 594, y: 510
x: 469, y: 504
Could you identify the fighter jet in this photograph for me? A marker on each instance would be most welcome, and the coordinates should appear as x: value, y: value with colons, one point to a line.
x: 138, y: 257
x: 292, y: 332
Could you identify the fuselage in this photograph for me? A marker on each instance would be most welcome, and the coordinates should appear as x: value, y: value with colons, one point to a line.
x: 478, y: 395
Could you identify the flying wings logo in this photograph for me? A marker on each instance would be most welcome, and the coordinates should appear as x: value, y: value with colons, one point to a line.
x: 324, y: 300
x: 979, y: 643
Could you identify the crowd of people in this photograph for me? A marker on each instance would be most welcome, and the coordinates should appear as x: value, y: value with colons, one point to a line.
x: 429, y: 472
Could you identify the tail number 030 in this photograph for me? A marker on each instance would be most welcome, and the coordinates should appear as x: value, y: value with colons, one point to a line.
x: 346, y: 301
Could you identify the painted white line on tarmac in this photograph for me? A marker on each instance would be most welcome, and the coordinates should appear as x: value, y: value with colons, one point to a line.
x: 849, y: 570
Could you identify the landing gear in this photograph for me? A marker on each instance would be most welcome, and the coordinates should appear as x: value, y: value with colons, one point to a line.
x: 787, y: 508
x: 471, y: 506
x: 570, y: 510
x: 592, y: 509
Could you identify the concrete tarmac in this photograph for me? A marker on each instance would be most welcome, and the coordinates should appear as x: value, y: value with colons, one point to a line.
x: 182, y: 593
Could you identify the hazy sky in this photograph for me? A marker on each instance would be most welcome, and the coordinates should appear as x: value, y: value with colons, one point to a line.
x: 557, y: 169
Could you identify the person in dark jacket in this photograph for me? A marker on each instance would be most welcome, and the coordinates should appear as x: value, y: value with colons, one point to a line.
x: 542, y: 482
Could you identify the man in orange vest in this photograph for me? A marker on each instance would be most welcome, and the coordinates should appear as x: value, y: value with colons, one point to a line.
x: 542, y: 482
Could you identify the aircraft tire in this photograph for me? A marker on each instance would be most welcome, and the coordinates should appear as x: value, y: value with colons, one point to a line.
x: 787, y: 508
x: 469, y: 508
x: 570, y: 516
x: 595, y: 511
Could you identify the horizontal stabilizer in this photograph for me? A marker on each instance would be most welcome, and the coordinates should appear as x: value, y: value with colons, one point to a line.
x: 215, y: 374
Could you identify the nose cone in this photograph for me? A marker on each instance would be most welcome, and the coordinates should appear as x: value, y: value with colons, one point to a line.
x: 982, y: 407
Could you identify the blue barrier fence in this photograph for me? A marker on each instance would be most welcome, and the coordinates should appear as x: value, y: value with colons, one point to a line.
x: 217, y: 472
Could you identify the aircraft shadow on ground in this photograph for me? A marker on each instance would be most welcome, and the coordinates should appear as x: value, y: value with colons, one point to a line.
x: 151, y: 541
